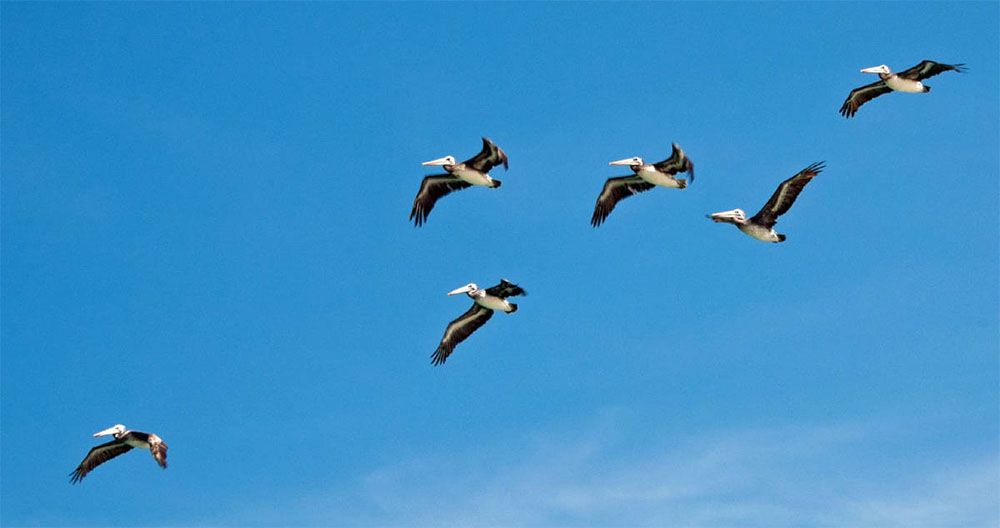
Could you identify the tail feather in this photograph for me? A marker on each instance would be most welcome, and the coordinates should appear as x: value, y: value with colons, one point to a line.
x: 513, y: 308
x: 781, y: 238
x: 496, y: 183
x: 927, y: 88
x: 682, y: 184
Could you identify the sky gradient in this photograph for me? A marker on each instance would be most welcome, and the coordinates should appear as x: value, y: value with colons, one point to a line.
x: 205, y: 236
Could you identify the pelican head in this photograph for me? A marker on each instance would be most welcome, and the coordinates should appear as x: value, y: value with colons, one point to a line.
x: 634, y: 160
x: 882, y: 69
x: 736, y: 216
x: 447, y: 160
x: 116, y: 430
x: 470, y: 287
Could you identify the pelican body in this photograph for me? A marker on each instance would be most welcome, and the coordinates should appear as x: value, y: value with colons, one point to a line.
x: 761, y: 225
x: 124, y: 441
x: 471, y: 172
x: 646, y: 176
x: 485, y: 302
x: 907, y: 81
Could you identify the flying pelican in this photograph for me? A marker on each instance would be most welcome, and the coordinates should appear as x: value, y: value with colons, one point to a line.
x: 761, y: 225
x: 905, y: 81
x: 473, y: 171
x: 647, y: 176
x: 485, y: 302
x: 124, y: 441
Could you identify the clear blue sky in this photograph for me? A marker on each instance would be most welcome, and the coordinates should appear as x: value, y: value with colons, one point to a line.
x: 204, y: 221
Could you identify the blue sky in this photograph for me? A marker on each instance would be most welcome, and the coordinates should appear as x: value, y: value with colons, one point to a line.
x: 204, y: 227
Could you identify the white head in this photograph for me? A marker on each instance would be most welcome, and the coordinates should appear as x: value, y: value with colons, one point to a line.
x: 447, y: 160
x: 116, y: 430
x: 877, y: 69
x: 468, y: 288
x: 733, y: 216
x: 634, y: 160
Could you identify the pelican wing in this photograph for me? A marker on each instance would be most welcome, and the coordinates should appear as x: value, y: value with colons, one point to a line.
x: 616, y: 190
x: 459, y: 329
x: 677, y: 162
x: 506, y: 289
x: 158, y: 449
x: 489, y: 157
x: 97, y: 456
x: 431, y: 189
x: 783, y: 198
x: 927, y: 69
x: 862, y: 95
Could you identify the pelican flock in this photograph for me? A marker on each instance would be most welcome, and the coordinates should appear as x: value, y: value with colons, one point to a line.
x: 124, y: 442
x: 484, y: 302
x: 458, y: 176
x: 907, y: 81
x: 645, y: 177
x: 761, y: 225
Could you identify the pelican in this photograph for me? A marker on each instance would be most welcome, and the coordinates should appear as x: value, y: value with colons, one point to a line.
x: 485, y: 302
x: 124, y: 441
x: 647, y: 176
x: 905, y: 81
x: 473, y: 171
x: 761, y: 225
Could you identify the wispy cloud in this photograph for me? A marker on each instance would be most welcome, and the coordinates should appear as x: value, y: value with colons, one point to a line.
x: 785, y: 476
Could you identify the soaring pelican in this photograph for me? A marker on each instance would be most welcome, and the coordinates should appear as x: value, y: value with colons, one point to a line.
x: 485, y: 301
x: 761, y: 225
x: 473, y: 171
x: 647, y: 176
x: 905, y: 81
x: 124, y: 441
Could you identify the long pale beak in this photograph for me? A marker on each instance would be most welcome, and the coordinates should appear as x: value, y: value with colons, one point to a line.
x: 439, y: 161
x: 873, y: 69
x: 106, y: 432
x: 463, y: 289
x: 723, y: 216
x: 626, y: 161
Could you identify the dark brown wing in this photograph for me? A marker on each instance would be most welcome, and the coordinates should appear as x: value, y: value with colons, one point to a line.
x: 506, y: 289
x: 614, y: 191
x: 431, y: 189
x: 459, y: 329
x: 783, y: 198
x: 158, y: 448
x: 927, y: 69
x: 862, y: 95
x: 489, y: 157
x: 677, y: 162
x: 98, y: 456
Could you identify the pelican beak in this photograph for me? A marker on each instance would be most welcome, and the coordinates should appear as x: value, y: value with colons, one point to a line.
x: 874, y: 69
x: 626, y: 161
x: 106, y: 432
x: 440, y: 161
x: 724, y: 216
x: 463, y: 289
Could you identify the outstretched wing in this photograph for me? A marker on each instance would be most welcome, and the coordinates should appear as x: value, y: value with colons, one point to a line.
x: 862, y: 95
x: 506, y: 289
x: 489, y: 157
x: 459, y: 329
x: 616, y: 190
x: 431, y: 189
x: 98, y: 456
x: 677, y: 162
x: 783, y: 198
x: 927, y: 69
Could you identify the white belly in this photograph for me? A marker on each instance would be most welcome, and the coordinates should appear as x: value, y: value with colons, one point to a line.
x: 493, y: 303
x: 760, y: 233
x: 474, y: 177
x: 658, y: 178
x: 904, y: 85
